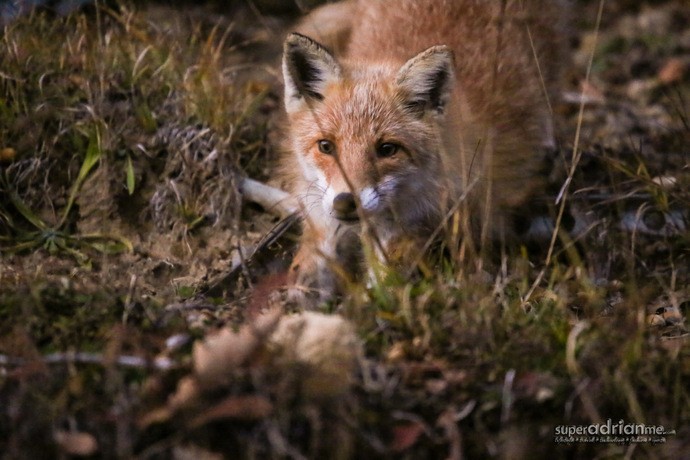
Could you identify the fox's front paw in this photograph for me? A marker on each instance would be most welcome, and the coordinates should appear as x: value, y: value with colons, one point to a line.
x: 406, y: 254
x: 310, y: 281
x: 316, y: 278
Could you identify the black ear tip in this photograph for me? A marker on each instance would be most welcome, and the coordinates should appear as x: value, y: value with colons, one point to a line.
x: 298, y: 36
x: 292, y: 41
x: 296, y: 40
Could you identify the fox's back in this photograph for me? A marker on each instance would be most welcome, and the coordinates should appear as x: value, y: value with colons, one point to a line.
x: 402, y: 110
x: 487, y: 37
x: 506, y: 66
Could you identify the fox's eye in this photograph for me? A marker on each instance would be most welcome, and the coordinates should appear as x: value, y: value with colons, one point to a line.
x: 326, y: 147
x: 387, y: 149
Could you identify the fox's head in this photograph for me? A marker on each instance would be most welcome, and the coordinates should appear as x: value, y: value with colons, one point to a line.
x: 367, y: 136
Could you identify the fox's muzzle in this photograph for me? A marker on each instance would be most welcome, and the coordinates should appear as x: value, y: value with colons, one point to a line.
x: 345, y: 207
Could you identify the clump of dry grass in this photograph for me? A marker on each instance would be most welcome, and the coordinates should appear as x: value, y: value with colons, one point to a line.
x: 142, y: 96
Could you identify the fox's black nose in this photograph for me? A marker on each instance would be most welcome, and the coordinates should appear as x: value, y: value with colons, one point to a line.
x: 345, y: 207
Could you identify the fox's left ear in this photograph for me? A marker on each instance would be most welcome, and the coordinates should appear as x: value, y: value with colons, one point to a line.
x: 427, y: 79
x: 307, y: 69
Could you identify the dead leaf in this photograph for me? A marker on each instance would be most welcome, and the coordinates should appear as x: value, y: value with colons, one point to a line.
x: 405, y: 436
x: 672, y: 71
x: 187, y: 394
x: 436, y: 386
x: 158, y: 415
x: 417, y: 373
x: 76, y: 443
x: 248, y: 408
x: 7, y: 154
x: 396, y: 353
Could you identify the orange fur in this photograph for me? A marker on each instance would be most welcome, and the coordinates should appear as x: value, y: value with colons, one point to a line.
x: 453, y: 85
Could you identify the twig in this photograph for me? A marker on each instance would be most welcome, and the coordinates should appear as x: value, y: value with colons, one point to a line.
x: 158, y: 363
x: 215, y: 287
x: 507, y: 396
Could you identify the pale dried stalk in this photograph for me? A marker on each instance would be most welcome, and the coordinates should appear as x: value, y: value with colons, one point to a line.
x: 160, y: 363
x: 272, y: 199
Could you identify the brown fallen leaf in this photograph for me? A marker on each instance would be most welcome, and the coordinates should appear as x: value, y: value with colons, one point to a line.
x: 672, y: 71
x: 7, y: 154
x: 187, y: 394
x: 247, y: 407
x: 157, y: 415
x: 405, y: 436
x: 76, y: 443
x: 397, y: 352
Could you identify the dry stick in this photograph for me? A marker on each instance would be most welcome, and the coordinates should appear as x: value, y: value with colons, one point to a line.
x: 160, y: 363
x: 563, y: 194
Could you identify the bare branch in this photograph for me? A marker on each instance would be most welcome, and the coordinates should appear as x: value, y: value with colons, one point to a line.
x: 159, y: 363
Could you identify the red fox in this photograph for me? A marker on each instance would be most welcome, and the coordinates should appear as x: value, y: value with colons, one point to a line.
x: 419, y: 107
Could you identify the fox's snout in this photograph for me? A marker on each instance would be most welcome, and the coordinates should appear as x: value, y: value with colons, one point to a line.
x: 345, y: 207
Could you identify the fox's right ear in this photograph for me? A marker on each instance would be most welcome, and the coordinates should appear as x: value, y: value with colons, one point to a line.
x: 307, y: 69
x: 427, y: 80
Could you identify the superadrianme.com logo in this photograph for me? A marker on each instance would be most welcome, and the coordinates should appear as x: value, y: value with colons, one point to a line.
x: 620, y: 432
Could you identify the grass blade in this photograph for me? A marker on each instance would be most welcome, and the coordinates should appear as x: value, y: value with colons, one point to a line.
x: 26, y: 212
x: 131, y: 180
x: 93, y: 155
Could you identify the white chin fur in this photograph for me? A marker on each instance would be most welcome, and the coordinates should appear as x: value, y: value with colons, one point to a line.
x: 328, y: 197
